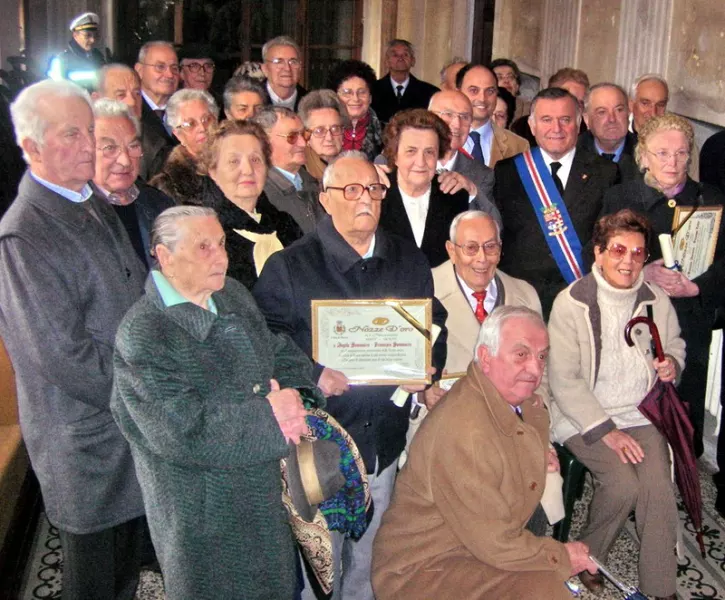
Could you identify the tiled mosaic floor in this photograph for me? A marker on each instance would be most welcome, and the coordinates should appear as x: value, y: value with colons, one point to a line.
x: 697, y: 579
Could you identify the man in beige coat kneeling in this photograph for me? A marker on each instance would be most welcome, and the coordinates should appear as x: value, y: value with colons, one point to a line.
x: 475, y: 475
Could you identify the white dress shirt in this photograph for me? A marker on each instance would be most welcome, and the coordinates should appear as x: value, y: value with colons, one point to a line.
x: 277, y: 101
x: 565, y: 161
x: 417, y: 211
x: 395, y: 85
x: 489, y: 301
x: 486, y: 132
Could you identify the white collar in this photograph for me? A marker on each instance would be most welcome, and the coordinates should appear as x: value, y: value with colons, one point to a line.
x: 277, y: 101
x: 491, y: 293
x: 151, y: 103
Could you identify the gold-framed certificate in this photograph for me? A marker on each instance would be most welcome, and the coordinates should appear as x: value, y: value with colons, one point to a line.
x: 447, y: 381
x: 696, y: 238
x: 374, y: 342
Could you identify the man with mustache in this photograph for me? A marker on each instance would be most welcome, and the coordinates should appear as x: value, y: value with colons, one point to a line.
x: 116, y: 180
x: 158, y: 69
x: 486, y: 142
x: 456, y: 527
x: 606, y: 116
x: 550, y: 198
x: 349, y: 257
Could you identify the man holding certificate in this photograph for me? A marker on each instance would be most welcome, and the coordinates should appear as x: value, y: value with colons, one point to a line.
x: 348, y: 259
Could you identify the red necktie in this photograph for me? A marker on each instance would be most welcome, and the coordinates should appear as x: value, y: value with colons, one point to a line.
x: 481, y: 313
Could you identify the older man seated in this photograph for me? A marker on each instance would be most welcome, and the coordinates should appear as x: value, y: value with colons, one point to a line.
x: 118, y: 160
x: 456, y: 524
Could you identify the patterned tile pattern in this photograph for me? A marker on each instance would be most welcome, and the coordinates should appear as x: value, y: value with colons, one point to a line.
x: 697, y: 579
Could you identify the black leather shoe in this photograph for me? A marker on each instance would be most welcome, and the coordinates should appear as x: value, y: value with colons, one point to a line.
x: 594, y: 583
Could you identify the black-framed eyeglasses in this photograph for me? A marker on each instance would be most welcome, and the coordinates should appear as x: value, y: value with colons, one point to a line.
x: 491, y: 248
x: 293, y: 136
x: 194, y: 67
x: 619, y: 251
x: 161, y: 67
x: 354, y: 191
x: 190, y: 124
x: 111, y: 151
x: 291, y: 62
x: 321, y: 132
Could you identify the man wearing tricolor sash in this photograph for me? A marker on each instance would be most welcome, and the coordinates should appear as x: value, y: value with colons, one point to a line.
x: 549, y: 199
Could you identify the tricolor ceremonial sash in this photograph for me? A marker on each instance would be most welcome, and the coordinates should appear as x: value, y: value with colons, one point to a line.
x: 551, y: 212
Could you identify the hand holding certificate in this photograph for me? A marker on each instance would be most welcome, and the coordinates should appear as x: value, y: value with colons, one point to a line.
x: 695, y: 238
x: 374, y: 342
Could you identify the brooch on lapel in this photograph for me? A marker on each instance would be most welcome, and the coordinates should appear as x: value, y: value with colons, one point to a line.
x: 585, y: 176
x: 672, y: 203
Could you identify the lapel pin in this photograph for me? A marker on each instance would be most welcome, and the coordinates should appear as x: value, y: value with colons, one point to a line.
x: 585, y: 177
x: 672, y: 203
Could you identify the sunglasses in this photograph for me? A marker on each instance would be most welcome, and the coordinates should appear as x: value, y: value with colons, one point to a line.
x: 618, y: 252
x: 293, y: 136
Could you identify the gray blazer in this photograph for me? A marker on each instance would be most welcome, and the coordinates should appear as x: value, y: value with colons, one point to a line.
x: 303, y: 206
x: 67, y: 282
x: 482, y: 177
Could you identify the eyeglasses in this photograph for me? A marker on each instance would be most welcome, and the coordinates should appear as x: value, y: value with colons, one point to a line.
x: 681, y: 156
x: 293, y: 136
x: 321, y: 132
x: 194, y: 67
x: 190, y: 124
x: 472, y: 248
x: 161, y: 67
x: 618, y: 252
x: 354, y: 191
x: 449, y: 114
x: 291, y: 62
x: 361, y: 93
x: 112, y: 151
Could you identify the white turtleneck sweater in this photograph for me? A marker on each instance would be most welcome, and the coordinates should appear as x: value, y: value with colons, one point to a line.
x: 623, y: 375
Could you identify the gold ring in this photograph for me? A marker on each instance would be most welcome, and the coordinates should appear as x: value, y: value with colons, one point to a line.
x: 623, y: 448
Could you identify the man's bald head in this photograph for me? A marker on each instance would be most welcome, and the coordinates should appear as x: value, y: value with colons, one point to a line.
x: 455, y: 109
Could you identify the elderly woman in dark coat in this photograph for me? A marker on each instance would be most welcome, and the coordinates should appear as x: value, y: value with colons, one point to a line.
x: 237, y: 158
x: 664, y: 152
x: 205, y: 395
x: 191, y: 113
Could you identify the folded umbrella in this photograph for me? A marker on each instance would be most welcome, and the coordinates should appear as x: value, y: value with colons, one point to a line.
x: 668, y: 413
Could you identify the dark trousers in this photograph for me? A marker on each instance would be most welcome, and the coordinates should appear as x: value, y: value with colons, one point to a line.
x: 105, y: 565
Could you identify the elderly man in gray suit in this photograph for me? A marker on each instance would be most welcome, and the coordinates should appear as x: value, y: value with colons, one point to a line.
x: 70, y: 273
x: 455, y: 109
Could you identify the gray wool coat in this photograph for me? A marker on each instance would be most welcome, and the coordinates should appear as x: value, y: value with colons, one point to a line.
x: 67, y: 280
x: 189, y: 395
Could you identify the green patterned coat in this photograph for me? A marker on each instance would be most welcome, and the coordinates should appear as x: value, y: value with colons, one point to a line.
x: 189, y: 395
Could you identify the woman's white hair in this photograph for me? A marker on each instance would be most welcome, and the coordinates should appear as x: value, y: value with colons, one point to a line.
x: 107, y: 108
x: 28, y: 120
x: 173, y: 106
x: 490, y: 332
x: 166, y: 230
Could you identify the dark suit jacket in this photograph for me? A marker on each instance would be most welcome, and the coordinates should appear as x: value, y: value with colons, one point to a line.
x: 482, y: 177
x: 149, y: 205
x: 628, y: 169
x: 67, y: 281
x: 525, y: 252
x: 156, y: 141
x: 322, y: 265
x: 301, y: 93
x: 712, y: 161
x: 416, y: 95
x: 441, y: 212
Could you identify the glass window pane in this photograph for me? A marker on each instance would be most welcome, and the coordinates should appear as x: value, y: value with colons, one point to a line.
x: 321, y: 61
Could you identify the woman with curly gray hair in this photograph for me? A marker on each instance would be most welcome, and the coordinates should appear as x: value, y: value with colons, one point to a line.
x: 663, y: 153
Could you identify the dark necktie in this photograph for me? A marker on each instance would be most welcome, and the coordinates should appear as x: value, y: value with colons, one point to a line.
x: 608, y: 156
x: 477, y: 151
x: 160, y: 113
x: 481, y: 313
x: 399, y: 95
x: 555, y: 166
